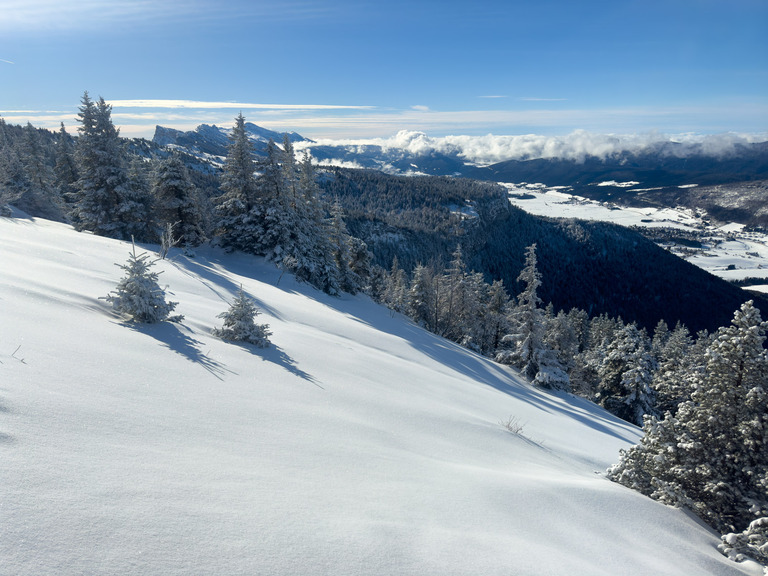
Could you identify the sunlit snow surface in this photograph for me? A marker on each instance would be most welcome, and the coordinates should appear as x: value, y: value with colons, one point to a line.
x: 358, y: 444
x: 728, y: 251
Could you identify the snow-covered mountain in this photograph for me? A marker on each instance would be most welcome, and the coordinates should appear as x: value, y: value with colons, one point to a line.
x: 211, y: 141
x: 357, y: 444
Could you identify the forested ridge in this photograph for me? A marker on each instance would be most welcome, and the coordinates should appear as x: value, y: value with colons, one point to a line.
x: 597, y: 266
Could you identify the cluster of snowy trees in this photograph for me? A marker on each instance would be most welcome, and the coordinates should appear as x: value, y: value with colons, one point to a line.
x: 139, y: 297
x: 708, y: 453
x: 273, y: 208
x: 97, y: 184
x: 615, y: 364
x: 270, y: 207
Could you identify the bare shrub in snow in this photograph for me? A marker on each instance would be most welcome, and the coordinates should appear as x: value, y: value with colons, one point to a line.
x: 513, y: 424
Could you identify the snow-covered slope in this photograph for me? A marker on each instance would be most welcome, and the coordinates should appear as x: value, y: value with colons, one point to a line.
x: 357, y: 444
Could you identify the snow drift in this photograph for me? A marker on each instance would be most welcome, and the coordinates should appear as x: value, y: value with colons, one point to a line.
x: 356, y: 444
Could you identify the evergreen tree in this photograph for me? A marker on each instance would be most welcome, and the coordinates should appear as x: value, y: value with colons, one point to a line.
x: 712, y: 456
x: 561, y: 337
x: 14, y: 180
x: 626, y: 374
x: 395, y: 296
x: 239, y: 224
x: 527, y: 339
x: 495, y: 317
x: 239, y: 323
x: 105, y: 203
x: 454, y: 298
x: 176, y: 201
x: 349, y: 280
x: 680, y: 368
x: 599, y: 335
x: 40, y: 198
x: 138, y: 294
x: 65, y: 170
x: 138, y: 205
x: 422, y: 298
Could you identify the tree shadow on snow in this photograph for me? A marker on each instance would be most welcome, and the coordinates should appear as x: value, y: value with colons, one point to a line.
x: 277, y: 355
x: 204, y: 269
x: 479, y: 368
x: 172, y: 336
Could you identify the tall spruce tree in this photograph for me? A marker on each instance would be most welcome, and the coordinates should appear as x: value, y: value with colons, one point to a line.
x: 176, y: 203
x: 239, y: 223
x: 527, y: 318
x: 65, y: 170
x: 626, y: 376
x: 106, y: 205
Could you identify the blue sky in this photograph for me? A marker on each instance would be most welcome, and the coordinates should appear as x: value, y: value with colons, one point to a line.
x: 351, y: 69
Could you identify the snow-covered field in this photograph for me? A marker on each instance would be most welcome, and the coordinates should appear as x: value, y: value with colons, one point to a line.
x: 358, y: 444
x: 728, y: 251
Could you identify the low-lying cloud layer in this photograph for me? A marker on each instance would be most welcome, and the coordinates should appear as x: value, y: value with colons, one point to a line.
x: 577, y: 145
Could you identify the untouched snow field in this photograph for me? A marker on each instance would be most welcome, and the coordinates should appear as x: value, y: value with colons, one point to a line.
x: 358, y: 444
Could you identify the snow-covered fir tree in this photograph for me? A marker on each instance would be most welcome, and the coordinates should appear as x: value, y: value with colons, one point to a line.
x: 528, y: 350
x: 176, y: 202
x: 105, y: 204
x: 41, y: 197
x: 527, y: 318
x: 751, y: 543
x: 138, y: 295
x: 681, y: 366
x: 712, y: 455
x: 395, y: 291
x: 239, y: 323
x: 239, y: 223
x: 626, y: 375
x: 599, y: 334
x: 422, y: 298
x: 454, y: 298
x: 496, y: 312
x: 65, y: 170
x: 349, y: 280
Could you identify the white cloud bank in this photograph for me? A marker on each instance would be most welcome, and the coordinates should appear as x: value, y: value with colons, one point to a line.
x: 577, y: 145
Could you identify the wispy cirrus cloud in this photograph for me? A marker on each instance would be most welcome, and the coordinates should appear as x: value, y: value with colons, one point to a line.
x: 538, y: 99
x: 202, y: 104
x: 58, y: 15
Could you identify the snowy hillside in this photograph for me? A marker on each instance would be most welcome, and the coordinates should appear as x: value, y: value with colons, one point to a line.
x: 357, y: 444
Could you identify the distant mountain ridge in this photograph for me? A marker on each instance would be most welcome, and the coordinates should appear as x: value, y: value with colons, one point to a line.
x: 212, y: 140
x: 662, y: 163
x: 731, y: 179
